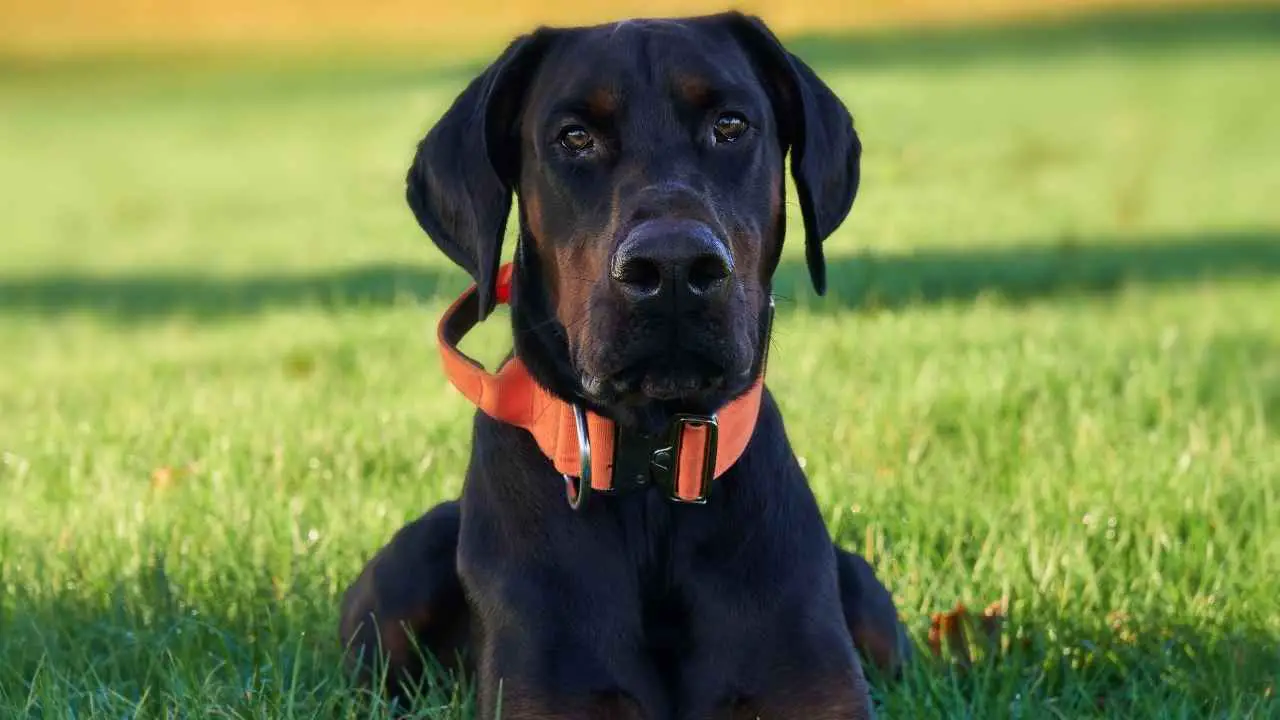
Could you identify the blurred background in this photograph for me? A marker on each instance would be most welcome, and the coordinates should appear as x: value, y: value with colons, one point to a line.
x: 59, y: 27
x: 1048, y: 365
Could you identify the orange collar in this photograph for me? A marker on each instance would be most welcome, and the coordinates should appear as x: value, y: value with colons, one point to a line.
x: 585, y: 446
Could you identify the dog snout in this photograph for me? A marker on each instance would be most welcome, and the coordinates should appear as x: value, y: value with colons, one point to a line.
x: 671, y: 260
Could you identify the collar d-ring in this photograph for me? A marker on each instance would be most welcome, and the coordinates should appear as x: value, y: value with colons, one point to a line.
x: 578, y: 489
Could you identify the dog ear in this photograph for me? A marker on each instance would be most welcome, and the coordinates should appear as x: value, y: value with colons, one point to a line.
x: 464, y: 172
x: 817, y: 129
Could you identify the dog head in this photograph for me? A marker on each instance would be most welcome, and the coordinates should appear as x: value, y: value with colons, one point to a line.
x: 648, y: 160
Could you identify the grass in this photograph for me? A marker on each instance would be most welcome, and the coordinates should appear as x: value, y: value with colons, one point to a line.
x: 1048, y: 371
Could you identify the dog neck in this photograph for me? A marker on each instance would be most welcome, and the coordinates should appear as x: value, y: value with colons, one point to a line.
x: 592, y: 451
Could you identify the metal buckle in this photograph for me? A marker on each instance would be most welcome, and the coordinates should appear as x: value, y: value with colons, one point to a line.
x: 577, y: 490
x: 662, y: 463
x: 666, y: 461
x: 632, y: 460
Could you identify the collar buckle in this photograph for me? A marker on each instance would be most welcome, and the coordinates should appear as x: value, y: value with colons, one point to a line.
x: 665, y: 463
x: 641, y: 460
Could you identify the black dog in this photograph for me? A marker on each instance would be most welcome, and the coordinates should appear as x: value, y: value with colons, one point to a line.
x: 648, y: 160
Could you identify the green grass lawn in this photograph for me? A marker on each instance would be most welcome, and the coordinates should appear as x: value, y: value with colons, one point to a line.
x: 1048, y: 369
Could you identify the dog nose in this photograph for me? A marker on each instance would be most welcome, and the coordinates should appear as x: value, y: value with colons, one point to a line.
x: 669, y: 259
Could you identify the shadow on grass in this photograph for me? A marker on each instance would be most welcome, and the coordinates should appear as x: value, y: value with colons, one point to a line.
x: 1111, y: 666
x: 66, y: 658
x: 868, y: 281
x: 1029, y: 272
x: 151, y: 296
x: 65, y: 653
x: 148, y: 642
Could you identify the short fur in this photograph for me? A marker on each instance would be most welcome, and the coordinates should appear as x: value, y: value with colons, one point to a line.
x: 637, y: 607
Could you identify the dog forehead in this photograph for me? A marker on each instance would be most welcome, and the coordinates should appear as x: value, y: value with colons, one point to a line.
x: 605, y: 65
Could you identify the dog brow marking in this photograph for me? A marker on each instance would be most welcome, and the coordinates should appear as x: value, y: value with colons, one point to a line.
x: 694, y: 89
x: 602, y: 102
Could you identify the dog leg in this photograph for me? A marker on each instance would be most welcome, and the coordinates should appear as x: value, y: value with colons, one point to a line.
x: 831, y: 699
x: 406, y: 602
x: 813, y: 679
x: 871, y: 615
x: 601, y: 706
x: 409, y: 595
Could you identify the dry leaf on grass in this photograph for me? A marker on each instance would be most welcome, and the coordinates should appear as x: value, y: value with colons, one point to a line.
x: 164, y: 477
x: 965, y: 633
x: 1120, y: 625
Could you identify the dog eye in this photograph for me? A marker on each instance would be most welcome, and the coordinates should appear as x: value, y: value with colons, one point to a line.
x: 729, y: 127
x: 576, y: 139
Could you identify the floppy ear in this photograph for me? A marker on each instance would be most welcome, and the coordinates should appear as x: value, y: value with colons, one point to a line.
x: 459, y: 186
x: 817, y: 128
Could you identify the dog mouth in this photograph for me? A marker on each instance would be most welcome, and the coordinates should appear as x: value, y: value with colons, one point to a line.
x: 635, y: 388
x: 686, y: 382
x: 638, y: 364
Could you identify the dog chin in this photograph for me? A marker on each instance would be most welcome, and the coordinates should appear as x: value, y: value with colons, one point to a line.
x: 650, y: 388
x: 649, y: 399
x: 654, y: 382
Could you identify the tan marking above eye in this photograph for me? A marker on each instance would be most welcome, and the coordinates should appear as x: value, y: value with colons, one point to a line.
x: 693, y: 89
x: 602, y: 102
